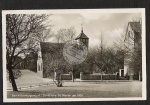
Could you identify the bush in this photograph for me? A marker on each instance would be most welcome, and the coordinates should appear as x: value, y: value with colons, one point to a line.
x: 91, y: 77
x: 65, y: 77
x: 124, y: 78
x: 109, y: 77
x: 136, y: 76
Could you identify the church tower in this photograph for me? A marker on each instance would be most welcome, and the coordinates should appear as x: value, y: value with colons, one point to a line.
x: 82, y: 38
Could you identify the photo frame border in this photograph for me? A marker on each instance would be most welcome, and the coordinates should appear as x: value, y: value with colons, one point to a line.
x: 59, y: 11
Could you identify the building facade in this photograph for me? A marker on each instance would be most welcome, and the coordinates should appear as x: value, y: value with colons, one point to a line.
x: 132, y: 43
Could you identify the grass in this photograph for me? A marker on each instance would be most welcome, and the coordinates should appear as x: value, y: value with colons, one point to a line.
x: 82, y: 90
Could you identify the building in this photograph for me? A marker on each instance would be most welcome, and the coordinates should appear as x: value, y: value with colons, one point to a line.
x: 133, y: 43
x: 82, y: 38
x: 50, y: 57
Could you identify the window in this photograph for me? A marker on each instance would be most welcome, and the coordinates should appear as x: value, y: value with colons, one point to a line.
x: 39, y: 67
x: 83, y: 40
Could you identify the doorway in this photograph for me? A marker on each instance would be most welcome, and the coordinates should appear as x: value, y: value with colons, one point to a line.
x: 122, y: 73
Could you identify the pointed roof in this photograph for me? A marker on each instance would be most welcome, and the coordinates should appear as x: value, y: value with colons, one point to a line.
x: 136, y: 26
x: 81, y: 35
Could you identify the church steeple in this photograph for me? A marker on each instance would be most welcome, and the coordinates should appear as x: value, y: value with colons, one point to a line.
x: 82, y: 37
x: 81, y: 28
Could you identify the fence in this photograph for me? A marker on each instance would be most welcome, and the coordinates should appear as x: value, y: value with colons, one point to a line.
x: 98, y: 76
x: 94, y: 77
x: 65, y: 77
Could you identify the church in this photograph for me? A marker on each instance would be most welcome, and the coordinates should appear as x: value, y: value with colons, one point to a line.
x: 50, y: 57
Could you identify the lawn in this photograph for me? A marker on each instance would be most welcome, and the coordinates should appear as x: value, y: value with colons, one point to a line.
x: 82, y: 90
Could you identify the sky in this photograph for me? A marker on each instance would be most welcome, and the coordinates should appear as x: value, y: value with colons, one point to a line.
x: 110, y: 25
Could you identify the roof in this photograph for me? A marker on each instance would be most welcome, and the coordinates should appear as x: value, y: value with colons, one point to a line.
x: 47, y: 47
x: 81, y: 35
x: 136, y: 26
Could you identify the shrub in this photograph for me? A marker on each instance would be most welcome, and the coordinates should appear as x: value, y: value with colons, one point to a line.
x: 109, y: 77
x: 91, y: 77
x: 65, y: 77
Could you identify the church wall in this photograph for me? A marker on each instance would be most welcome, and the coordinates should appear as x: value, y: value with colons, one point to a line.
x: 130, y: 44
x: 47, y: 66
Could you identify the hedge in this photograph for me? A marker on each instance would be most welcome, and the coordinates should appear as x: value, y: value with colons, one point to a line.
x: 98, y: 77
x: 66, y: 77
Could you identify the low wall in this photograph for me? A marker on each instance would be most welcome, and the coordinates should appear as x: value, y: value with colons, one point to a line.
x: 97, y: 76
x: 66, y: 77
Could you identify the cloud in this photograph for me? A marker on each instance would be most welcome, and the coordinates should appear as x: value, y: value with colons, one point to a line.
x: 94, y: 42
x: 110, y: 24
x: 56, y: 18
x: 114, y: 33
x: 111, y: 36
x: 94, y: 16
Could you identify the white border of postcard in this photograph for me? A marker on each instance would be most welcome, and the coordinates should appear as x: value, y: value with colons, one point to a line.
x: 60, y: 11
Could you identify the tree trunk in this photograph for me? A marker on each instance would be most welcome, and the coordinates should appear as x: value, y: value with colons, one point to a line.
x: 59, y: 81
x: 72, y: 77
x: 72, y: 74
x: 11, y: 76
x: 101, y: 77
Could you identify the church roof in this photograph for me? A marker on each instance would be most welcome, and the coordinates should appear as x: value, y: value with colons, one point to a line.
x: 47, y: 47
x: 136, y: 26
x: 81, y: 35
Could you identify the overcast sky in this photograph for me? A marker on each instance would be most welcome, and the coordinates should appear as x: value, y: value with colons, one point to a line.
x: 111, y: 25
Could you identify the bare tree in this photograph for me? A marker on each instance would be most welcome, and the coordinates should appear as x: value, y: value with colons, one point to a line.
x: 97, y: 55
x: 54, y: 63
x: 19, y: 29
x: 64, y: 35
x: 44, y: 35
